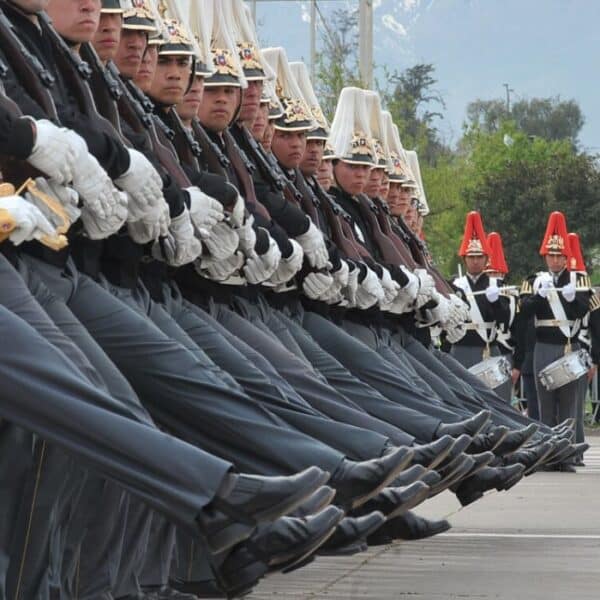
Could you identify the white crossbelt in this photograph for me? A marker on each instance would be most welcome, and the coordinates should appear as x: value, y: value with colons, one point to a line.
x: 553, y: 323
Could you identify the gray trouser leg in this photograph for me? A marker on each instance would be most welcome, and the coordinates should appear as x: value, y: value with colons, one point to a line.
x: 16, y: 461
x: 349, y: 437
x: 159, y: 554
x: 559, y: 404
x: 135, y: 543
x: 187, y: 397
x: 344, y: 382
x: 530, y: 392
x: 502, y: 413
x: 168, y: 474
x: 102, y: 544
x: 424, y: 417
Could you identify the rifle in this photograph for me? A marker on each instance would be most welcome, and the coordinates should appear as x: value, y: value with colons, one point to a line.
x: 34, y: 77
x: 216, y: 162
x: 137, y: 109
x: 106, y: 88
x: 187, y: 148
x: 388, y: 251
x: 77, y: 74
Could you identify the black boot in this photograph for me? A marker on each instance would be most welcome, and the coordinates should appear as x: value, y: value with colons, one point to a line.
x: 407, y: 527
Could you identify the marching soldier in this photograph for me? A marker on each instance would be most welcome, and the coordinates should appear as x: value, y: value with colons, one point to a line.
x: 558, y: 301
x: 488, y: 309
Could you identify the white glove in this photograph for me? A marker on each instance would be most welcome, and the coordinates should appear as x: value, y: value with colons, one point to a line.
x: 98, y: 228
x: 492, y: 293
x: 406, y: 296
x: 568, y: 292
x: 340, y: 280
x: 405, y: 300
x: 259, y: 267
x: 544, y: 287
x: 349, y: 291
x: 30, y: 223
x: 205, y: 211
x: 247, y: 235
x: 316, y: 284
x: 238, y: 212
x: 180, y: 246
x: 222, y: 241
x: 150, y: 229
x: 67, y: 196
x: 289, y: 266
x: 315, y: 249
x: 390, y: 288
x: 219, y: 270
x: 455, y: 334
x: 143, y: 184
x: 441, y: 312
x: 426, y: 287
x: 54, y: 152
x: 458, y: 312
x: 95, y: 188
x: 369, y: 291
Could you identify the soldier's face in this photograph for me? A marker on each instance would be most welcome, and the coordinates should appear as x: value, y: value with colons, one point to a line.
x: 75, y: 20
x: 374, y: 183
x: 260, y: 123
x: 393, y: 199
x: 250, y: 102
x: 404, y: 201
x: 218, y: 107
x: 289, y: 147
x: 107, y: 38
x: 313, y: 155
x: 267, y: 139
x: 31, y: 6
x: 350, y: 177
x: 325, y: 174
x: 474, y: 264
x: 130, y: 52
x: 187, y: 109
x: 384, y: 188
x: 556, y: 262
x: 171, y: 79
x: 411, y: 220
x: 145, y: 75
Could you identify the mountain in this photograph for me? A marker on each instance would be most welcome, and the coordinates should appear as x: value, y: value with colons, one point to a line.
x: 539, y: 47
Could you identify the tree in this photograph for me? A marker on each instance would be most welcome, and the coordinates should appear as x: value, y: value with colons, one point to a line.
x: 549, y: 118
x: 337, y: 61
x: 517, y: 185
x: 409, y: 96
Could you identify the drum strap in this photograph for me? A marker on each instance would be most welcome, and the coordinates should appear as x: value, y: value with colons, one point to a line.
x: 486, y: 330
x: 568, y: 328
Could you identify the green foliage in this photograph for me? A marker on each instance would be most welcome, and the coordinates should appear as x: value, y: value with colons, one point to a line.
x: 549, y: 118
x: 516, y: 181
x: 408, y: 96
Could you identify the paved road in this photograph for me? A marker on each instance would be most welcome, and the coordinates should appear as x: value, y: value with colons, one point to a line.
x: 539, y: 541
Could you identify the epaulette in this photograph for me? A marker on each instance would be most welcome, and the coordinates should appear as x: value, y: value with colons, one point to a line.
x: 526, y: 287
x: 583, y: 281
x: 594, y: 302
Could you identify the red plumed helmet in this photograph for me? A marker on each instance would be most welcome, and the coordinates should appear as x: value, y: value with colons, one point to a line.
x: 576, y: 262
x: 556, y: 240
x: 474, y: 242
x: 497, y: 262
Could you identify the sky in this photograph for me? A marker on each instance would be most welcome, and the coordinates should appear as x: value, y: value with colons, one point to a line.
x: 540, y: 48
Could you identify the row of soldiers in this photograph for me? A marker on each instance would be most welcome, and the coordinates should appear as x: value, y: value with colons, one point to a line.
x: 216, y: 315
x: 549, y: 325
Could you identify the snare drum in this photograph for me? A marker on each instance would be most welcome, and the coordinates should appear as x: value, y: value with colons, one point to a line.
x: 566, y: 369
x: 493, y: 371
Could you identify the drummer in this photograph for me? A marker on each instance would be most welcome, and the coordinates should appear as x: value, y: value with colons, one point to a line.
x: 489, y: 308
x: 558, y: 300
